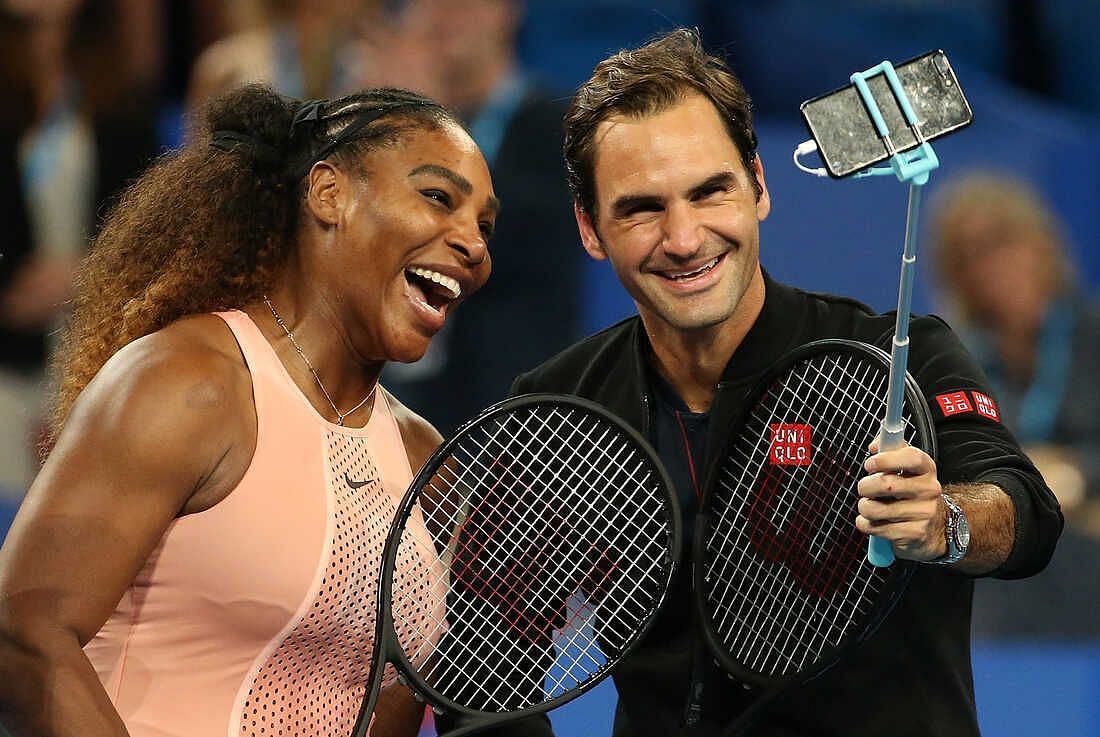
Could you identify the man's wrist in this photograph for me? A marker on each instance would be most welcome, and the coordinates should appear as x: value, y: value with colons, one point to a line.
x: 956, y: 533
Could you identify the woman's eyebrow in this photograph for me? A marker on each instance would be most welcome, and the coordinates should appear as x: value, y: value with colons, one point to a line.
x: 449, y: 174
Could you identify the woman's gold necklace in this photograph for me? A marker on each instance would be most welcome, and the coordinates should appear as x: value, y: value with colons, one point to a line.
x: 340, y: 416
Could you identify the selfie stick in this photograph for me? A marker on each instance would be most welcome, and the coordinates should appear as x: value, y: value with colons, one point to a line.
x: 913, y: 167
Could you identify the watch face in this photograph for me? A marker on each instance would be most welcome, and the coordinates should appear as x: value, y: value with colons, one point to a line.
x: 962, y: 533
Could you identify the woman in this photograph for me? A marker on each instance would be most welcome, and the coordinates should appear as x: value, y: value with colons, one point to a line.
x: 199, y: 553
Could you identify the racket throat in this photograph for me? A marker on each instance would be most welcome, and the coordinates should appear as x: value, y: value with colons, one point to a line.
x: 693, y: 712
x: 693, y: 709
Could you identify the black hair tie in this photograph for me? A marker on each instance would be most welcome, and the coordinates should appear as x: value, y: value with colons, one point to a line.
x: 309, y: 112
x: 352, y: 130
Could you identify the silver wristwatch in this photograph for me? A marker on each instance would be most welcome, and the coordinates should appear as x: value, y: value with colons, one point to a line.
x: 957, y: 532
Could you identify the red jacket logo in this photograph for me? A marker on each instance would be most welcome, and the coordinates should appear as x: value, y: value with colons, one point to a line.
x: 986, y: 407
x: 791, y: 444
x: 954, y: 403
x: 960, y: 402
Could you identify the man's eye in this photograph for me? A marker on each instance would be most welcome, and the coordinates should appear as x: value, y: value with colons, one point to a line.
x: 487, y: 231
x: 439, y: 196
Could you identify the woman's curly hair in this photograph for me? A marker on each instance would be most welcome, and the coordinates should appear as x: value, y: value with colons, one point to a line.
x: 210, y: 227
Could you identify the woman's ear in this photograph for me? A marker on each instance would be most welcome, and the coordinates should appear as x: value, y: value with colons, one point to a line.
x: 327, y: 191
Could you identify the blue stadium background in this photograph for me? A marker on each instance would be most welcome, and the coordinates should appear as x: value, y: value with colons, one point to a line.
x: 845, y: 236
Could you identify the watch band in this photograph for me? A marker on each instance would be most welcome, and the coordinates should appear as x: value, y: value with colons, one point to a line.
x: 956, y: 532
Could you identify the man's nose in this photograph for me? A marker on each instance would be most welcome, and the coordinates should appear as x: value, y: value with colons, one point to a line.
x: 683, y: 236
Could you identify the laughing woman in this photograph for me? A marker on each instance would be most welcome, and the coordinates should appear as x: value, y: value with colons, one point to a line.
x: 199, y: 552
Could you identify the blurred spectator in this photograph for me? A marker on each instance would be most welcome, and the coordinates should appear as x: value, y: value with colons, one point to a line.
x: 16, y: 457
x: 302, y: 48
x: 999, y: 258
x: 998, y: 254
x: 462, y: 52
x: 74, y: 129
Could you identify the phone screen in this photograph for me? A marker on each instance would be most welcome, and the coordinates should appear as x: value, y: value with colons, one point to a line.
x: 846, y: 137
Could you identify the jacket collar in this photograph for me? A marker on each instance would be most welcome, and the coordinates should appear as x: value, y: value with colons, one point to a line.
x: 778, y: 329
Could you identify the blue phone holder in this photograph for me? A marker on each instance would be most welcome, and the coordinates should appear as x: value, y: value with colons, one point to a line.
x: 908, y: 166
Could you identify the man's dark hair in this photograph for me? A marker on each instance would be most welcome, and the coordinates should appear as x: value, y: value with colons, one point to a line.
x: 649, y: 80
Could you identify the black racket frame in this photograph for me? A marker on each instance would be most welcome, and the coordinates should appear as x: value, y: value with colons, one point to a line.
x: 900, y: 572
x: 385, y: 638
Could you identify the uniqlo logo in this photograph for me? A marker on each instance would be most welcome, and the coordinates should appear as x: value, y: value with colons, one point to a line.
x: 986, y: 406
x: 954, y: 403
x: 791, y: 444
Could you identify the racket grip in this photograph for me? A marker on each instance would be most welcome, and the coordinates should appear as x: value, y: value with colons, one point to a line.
x: 880, y: 552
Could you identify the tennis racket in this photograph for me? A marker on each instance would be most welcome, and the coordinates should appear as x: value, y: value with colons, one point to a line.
x: 530, y: 554
x: 782, y: 581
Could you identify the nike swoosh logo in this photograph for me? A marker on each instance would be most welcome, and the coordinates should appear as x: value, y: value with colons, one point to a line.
x: 354, y: 484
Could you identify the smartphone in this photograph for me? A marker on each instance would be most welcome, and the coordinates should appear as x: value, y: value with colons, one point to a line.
x: 846, y: 137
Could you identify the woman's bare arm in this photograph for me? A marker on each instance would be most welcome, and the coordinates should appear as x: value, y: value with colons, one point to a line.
x: 158, y: 426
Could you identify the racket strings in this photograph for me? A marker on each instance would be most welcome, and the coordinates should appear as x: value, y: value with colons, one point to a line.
x: 555, y: 517
x: 786, y: 578
x: 552, y: 573
x: 584, y: 659
x: 550, y: 534
x: 767, y: 588
x: 796, y: 558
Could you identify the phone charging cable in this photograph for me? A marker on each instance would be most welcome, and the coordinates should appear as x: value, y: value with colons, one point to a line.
x: 808, y: 147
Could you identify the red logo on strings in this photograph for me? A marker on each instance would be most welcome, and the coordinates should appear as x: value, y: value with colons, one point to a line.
x: 954, y: 403
x: 794, y: 520
x: 986, y: 406
x: 791, y: 444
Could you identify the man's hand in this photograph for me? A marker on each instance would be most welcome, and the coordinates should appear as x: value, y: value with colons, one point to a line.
x: 901, y: 501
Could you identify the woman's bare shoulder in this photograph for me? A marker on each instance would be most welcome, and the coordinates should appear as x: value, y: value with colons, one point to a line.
x: 180, y: 399
x: 420, y: 436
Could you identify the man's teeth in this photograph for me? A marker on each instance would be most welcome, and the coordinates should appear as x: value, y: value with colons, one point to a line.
x: 444, y: 281
x: 688, y: 274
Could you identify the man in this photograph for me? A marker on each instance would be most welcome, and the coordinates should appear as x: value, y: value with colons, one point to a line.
x: 668, y: 187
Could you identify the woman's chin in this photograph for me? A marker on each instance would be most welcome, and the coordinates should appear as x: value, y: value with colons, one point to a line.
x: 409, y: 351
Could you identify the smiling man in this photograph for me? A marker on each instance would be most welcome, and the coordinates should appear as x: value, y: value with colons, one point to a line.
x: 669, y: 188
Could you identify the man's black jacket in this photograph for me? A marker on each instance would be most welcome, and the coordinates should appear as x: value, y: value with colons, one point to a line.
x: 913, y: 676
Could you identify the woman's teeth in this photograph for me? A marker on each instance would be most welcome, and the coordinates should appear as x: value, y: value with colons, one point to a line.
x: 451, y: 285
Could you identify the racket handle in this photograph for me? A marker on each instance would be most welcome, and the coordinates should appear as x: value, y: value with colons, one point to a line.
x: 880, y: 552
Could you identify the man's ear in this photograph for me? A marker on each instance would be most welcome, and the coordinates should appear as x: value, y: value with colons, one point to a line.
x: 764, y: 201
x: 326, y: 193
x: 589, y: 238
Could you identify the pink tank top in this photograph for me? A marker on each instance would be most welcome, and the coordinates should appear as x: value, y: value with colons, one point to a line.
x: 256, y: 617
